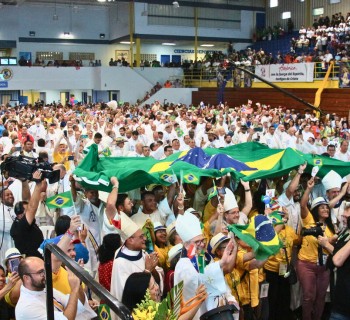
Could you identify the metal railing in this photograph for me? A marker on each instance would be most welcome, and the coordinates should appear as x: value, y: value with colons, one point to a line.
x: 120, y: 309
x: 206, y: 77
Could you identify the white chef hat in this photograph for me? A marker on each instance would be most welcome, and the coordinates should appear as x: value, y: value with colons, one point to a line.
x: 188, y: 226
x: 332, y: 180
x: 230, y: 200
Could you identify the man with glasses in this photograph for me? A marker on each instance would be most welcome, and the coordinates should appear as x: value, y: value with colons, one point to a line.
x: 32, y: 301
x: 196, y: 266
x: 131, y: 257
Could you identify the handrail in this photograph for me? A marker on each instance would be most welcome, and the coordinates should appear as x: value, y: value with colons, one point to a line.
x: 120, y: 309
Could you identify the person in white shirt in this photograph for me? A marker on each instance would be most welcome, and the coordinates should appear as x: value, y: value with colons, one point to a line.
x: 32, y: 301
x: 343, y: 153
x: 307, y: 133
x: 323, y: 147
x: 290, y: 140
x: 37, y: 130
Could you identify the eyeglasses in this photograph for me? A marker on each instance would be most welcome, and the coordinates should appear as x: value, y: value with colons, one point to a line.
x: 40, y: 273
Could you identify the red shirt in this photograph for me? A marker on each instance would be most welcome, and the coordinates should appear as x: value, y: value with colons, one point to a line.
x: 105, y: 274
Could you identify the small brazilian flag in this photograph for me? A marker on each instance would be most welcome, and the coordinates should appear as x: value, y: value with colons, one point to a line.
x: 213, y: 193
x: 107, y: 152
x: 104, y: 312
x: 61, y: 200
x: 191, y: 178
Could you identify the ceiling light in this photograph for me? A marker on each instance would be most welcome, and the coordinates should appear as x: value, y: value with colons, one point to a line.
x: 126, y: 42
x: 101, y: 0
x: 176, y: 4
x: 168, y: 44
x: 207, y: 45
x: 55, y: 17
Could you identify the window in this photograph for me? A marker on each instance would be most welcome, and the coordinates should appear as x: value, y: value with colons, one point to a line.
x: 317, y: 11
x: 286, y: 15
x: 333, y: 1
x: 273, y: 3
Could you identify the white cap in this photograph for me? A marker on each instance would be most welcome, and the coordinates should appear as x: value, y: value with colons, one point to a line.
x: 174, y: 251
x: 230, y: 200
x: 332, y: 180
x: 170, y: 229
x: 317, y: 202
x: 188, y: 226
x: 158, y: 226
x: 11, y: 253
x: 216, y: 240
x: 191, y: 210
x: 112, y: 104
x: 128, y: 227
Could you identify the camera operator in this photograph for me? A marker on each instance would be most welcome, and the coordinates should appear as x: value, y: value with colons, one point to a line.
x: 24, y: 226
x: 311, y: 266
x: 341, y: 260
x: 28, y: 149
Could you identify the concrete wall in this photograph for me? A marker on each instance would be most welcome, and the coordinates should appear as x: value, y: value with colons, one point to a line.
x: 132, y: 84
x: 173, y: 95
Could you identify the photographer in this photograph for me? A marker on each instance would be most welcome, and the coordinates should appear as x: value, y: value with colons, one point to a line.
x: 311, y: 266
x: 341, y: 260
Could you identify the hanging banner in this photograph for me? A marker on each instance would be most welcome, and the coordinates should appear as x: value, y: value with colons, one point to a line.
x: 295, y: 72
x: 344, y: 75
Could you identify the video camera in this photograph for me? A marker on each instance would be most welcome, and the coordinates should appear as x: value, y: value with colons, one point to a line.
x: 23, y: 167
x: 314, y: 231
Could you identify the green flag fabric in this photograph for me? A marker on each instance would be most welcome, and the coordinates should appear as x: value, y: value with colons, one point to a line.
x: 61, y: 200
x: 94, y: 172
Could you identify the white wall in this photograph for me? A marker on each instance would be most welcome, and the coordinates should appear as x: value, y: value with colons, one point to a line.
x: 131, y: 84
x: 173, y: 95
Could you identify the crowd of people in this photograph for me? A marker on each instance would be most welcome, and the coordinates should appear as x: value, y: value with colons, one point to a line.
x: 146, y: 241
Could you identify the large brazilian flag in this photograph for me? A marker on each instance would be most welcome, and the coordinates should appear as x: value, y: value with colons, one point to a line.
x: 248, y: 161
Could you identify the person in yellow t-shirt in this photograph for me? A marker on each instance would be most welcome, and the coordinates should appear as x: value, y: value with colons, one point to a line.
x: 316, y: 246
x: 244, y: 279
x: 276, y: 268
x: 60, y: 152
x: 161, y: 246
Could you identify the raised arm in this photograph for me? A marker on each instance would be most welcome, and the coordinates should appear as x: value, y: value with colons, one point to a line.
x: 111, y: 208
x: 305, y: 199
x: 35, y: 198
x: 248, y: 203
x: 293, y: 186
x: 65, y: 241
x: 341, y: 194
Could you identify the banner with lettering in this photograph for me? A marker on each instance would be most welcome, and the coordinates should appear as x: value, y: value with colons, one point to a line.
x: 295, y: 72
